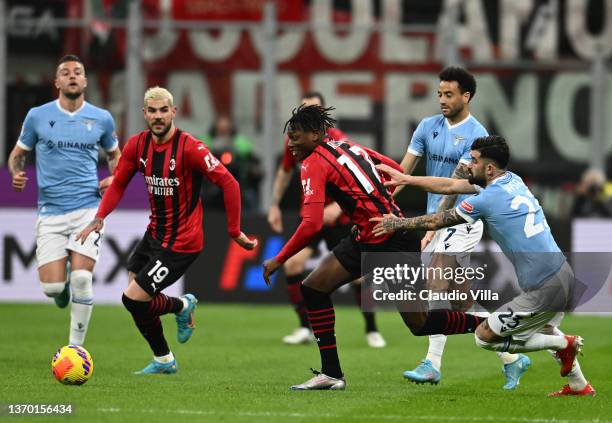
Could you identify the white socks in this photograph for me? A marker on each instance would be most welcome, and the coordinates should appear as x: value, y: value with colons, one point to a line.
x: 82, y: 305
x: 164, y: 358
x: 536, y: 342
x: 436, y: 348
x: 507, y: 358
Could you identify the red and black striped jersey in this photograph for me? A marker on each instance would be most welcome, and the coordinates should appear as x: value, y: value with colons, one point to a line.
x: 173, y: 173
x: 346, y: 172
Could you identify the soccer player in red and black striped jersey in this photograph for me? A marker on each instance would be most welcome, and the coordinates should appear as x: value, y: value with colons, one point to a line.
x: 336, y: 226
x: 346, y: 171
x: 173, y: 164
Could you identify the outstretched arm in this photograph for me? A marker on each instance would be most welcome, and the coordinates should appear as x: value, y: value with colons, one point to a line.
x: 409, y: 162
x: 312, y: 222
x: 390, y: 223
x: 428, y: 183
x: 203, y: 160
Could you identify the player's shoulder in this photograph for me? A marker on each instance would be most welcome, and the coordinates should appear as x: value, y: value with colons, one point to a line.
x: 91, y: 108
x: 134, y: 139
x: 431, y: 121
x: 336, y: 134
x: 477, y: 128
x: 319, y: 158
x: 44, y: 109
x: 193, y: 142
x: 507, y: 184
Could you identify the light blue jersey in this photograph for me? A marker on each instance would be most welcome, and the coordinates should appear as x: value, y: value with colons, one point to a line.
x: 517, y: 223
x: 67, y: 154
x: 444, y: 146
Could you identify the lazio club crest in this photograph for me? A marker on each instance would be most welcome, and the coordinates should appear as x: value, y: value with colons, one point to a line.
x: 458, y: 138
x: 89, y: 123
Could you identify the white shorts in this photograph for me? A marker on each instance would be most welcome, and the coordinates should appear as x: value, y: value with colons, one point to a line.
x: 56, y: 235
x: 459, y: 240
x: 531, y: 311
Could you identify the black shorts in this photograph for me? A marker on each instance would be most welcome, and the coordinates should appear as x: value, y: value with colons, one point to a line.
x: 348, y: 251
x: 332, y: 235
x: 157, y: 268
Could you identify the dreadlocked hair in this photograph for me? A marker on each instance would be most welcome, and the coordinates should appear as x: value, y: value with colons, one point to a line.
x: 310, y: 119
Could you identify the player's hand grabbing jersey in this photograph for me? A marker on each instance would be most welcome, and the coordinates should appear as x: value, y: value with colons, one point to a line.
x: 173, y: 174
x: 345, y: 171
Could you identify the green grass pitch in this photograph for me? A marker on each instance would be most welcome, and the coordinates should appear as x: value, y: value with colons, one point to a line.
x: 235, y: 369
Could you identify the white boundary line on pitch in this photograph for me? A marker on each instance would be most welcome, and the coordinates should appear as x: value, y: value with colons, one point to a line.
x: 360, y: 416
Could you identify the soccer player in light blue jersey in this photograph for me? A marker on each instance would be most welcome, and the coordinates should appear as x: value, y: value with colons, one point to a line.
x: 515, y: 220
x: 67, y: 134
x: 444, y: 140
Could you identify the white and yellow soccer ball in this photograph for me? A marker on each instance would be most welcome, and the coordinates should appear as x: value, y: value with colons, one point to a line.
x: 72, y: 365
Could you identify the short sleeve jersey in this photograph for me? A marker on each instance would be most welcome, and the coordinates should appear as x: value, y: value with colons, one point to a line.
x: 67, y: 145
x: 515, y: 220
x: 444, y: 146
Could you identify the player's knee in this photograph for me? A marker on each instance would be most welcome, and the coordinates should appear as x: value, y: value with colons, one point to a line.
x: 81, y: 283
x: 482, y: 342
x: 52, y: 289
x: 485, y: 337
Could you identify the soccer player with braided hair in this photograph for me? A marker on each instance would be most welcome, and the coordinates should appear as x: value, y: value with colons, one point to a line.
x: 346, y: 172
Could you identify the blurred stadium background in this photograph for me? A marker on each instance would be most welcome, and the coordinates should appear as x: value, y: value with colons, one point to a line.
x: 542, y: 67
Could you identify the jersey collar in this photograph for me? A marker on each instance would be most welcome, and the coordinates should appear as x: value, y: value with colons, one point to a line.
x: 501, y: 178
x: 449, y: 126
x: 71, y: 114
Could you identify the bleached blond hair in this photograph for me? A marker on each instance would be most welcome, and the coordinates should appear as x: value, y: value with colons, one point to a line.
x: 158, y: 93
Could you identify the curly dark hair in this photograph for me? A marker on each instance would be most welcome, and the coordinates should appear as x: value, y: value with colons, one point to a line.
x: 493, y: 147
x: 465, y: 80
x: 310, y: 119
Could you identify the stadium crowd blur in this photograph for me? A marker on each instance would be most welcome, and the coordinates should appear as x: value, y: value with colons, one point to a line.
x: 593, y: 195
x: 237, y: 154
x: 32, y: 50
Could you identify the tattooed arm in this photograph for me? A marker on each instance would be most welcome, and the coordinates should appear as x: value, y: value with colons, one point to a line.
x: 16, y: 165
x: 390, y: 223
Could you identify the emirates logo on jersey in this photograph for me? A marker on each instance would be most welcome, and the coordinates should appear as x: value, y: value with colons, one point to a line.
x: 306, y: 187
x: 172, y: 165
x: 161, y: 186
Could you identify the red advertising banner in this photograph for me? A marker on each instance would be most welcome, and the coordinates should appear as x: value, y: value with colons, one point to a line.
x: 236, y: 10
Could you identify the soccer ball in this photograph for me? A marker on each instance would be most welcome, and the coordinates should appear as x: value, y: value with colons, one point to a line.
x: 72, y: 365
